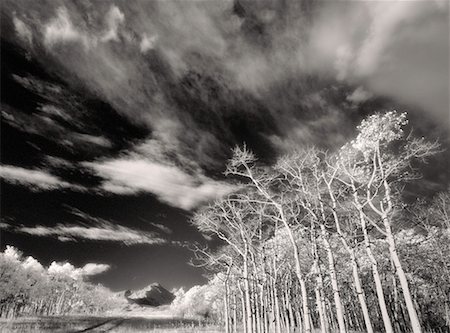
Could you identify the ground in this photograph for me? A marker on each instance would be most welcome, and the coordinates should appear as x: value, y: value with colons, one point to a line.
x: 124, y: 324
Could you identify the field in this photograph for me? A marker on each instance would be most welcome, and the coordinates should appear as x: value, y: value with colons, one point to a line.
x: 105, y: 324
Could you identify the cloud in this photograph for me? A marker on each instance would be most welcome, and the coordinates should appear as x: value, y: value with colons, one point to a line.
x: 147, y: 43
x: 162, y: 227
x: 22, y: 30
x: 61, y: 29
x: 359, y: 95
x: 113, y: 19
x: 35, y: 179
x: 4, y: 225
x: 69, y: 270
x: 93, y: 229
x: 398, y: 49
x: 202, y: 76
x: 92, y: 139
x: 168, y: 182
x: 101, y: 232
x: 94, y: 269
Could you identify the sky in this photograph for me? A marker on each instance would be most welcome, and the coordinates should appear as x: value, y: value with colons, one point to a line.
x: 118, y: 117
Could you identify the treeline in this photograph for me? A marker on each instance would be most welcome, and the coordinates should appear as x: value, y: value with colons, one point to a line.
x: 29, y: 289
x: 324, y: 240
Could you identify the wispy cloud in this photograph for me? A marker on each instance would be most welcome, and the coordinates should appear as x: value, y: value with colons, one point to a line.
x: 61, y: 29
x: 162, y: 227
x: 113, y: 19
x: 169, y: 183
x: 397, y: 48
x: 35, y: 179
x: 89, y: 228
x: 202, y: 76
x: 102, y: 232
x: 22, y: 30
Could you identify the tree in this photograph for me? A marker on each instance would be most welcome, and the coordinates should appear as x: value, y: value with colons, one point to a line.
x: 385, y: 158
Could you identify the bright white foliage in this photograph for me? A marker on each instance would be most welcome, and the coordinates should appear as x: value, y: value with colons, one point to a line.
x: 378, y: 129
x: 11, y: 253
x: 66, y: 269
x: 199, y: 301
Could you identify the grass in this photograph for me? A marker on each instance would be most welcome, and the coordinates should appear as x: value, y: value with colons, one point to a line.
x: 68, y: 324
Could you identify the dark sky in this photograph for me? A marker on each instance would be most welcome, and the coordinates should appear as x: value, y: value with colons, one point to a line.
x: 118, y: 117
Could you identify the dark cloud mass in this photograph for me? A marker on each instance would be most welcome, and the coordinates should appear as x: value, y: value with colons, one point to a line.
x: 106, y: 101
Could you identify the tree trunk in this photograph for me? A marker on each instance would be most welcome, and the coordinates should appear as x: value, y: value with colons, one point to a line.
x: 360, y: 292
x: 226, y: 309
x: 334, y: 284
x: 248, y: 306
x: 353, y: 260
x: 234, y: 313
x: 376, y: 276
x: 415, y: 322
x: 244, y: 312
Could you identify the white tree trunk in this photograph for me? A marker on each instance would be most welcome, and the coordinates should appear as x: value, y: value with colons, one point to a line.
x: 415, y: 322
x: 334, y: 283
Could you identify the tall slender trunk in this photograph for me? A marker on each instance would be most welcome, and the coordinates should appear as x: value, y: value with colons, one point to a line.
x: 263, y: 306
x: 376, y: 276
x: 234, y: 313
x: 334, y: 284
x: 360, y: 292
x: 248, y: 306
x: 319, y: 290
x: 320, y: 305
x: 226, y: 308
x: 415, y: 322
x: 277, y: 310
x: 244, y: 312
x: 298, y: 271
x: 353, y: 260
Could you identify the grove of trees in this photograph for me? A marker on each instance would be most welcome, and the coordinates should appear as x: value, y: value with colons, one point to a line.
x: 325, y: 241
x: 29, y: 289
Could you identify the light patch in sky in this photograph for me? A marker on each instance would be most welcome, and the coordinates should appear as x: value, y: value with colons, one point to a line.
x: 147, y: 43
x: 103, y: 232
x: 69, y: 270
x: 113, y: 19
x: 61, y: 29
x: 35, y: 179
x: 169, y: 183
x: 22, y: 30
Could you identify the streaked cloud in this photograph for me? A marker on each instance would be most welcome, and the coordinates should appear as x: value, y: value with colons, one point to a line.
x: 35, y: 179
x: 113, y: 19
x: 199, y: 77
x: 61, y: 29
x: 23, y: 31
x: 91, y: 139
x: 101, y: 232
x: 90, y: 228
x: 169, y: 183
x: 398, y: 49
x: 162, y: 227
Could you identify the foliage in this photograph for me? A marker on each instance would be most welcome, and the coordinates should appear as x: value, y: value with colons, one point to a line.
x: 27, y: 288
x: 310, y: 241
